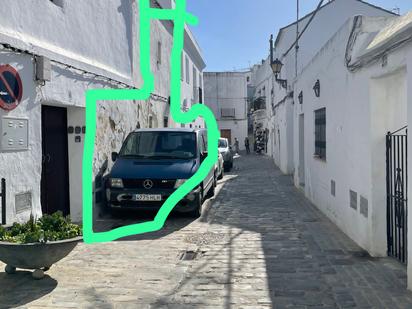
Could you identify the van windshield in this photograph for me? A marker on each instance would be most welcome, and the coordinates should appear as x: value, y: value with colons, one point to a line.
x: 160, y: 145
x: 222, y: 143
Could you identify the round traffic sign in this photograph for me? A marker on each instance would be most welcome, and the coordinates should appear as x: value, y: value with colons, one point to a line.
x: 11, y: 87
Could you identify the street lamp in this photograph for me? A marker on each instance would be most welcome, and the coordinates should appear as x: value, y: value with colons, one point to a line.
x: 276, y: 66
x: 316, y: 88
x: 300, y: 97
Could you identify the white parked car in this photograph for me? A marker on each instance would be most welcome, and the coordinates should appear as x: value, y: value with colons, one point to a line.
x: 226, y: 152
x: 219, y: 167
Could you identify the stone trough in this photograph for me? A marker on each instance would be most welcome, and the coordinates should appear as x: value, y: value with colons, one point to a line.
x: 37, y: 256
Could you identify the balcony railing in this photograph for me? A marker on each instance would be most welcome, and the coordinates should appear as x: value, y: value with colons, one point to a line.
x: 259, y: 103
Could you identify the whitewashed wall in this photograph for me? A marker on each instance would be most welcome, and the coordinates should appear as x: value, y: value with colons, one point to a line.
x: 228, y: 90
x: 334, y: 15
x: 409, y: 171
x: 90, y: 44
x: 360, y: 108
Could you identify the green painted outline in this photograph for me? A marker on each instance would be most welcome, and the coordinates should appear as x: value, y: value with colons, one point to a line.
x: 180, y: 18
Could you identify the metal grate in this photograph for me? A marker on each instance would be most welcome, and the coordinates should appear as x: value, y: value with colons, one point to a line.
x: 363, y: 206
x: 3, y: 200
x: 157, y: 183
x: 397, y: 193
x: 188, y: 255
x: 228, y: 112
x: 353, y: 199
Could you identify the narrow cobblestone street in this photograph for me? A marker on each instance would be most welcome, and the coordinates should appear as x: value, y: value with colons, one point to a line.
x: 259, y: 244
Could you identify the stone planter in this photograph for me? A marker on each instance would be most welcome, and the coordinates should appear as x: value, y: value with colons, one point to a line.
x: 37, y: 256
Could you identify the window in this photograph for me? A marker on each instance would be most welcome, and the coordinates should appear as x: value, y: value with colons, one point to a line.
x: 194, y: 77
x: 200, y: 95
x: 159, y: 52
x: 187, y: 70
x: 184, y: 105
x: 228, y: 112
x: 222, y: 143
x: 248, y: 79
x: 165, y: 121
x: 150, y: 121
x: 195, y: 91
x: 320, y: 133
x: 59, y: 3
x: 148, y: 145
x: 182, y: 71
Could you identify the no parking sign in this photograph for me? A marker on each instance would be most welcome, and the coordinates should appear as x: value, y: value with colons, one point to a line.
x: 11, y: 88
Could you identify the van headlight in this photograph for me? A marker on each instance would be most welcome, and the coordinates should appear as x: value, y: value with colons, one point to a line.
x: 179, y: 182
x: 116, y: 183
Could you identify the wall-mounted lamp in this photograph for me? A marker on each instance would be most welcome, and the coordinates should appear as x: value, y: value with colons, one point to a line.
x: 300, y: 97
x: 316, y: 88
x: 276, y: 66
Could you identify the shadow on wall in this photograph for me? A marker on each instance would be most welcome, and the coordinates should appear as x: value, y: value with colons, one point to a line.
x: 99, y: 204
x: 126, y: 9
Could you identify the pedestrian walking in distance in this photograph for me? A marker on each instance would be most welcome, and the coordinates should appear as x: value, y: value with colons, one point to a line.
x: 247, y: 146
x: 236, y: 146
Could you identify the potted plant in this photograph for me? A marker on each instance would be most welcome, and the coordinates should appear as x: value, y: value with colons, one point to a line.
x: 38, y: 244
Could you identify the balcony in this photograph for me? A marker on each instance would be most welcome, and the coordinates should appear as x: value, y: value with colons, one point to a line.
x: 259, y: 103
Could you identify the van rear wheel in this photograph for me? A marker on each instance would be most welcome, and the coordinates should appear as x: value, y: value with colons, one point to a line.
x: 197, y: 211
x: 211, y: 192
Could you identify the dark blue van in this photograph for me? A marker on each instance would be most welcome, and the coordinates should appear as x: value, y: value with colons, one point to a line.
x: 153, y: 163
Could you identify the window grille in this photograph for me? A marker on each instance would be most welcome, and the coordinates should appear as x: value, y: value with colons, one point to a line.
x: 320, y: 133
x: 228, y: 112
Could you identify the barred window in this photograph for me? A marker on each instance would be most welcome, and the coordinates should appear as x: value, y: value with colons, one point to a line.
x: 227, y: 113
x: 320, y: 133
x: 187, y: 70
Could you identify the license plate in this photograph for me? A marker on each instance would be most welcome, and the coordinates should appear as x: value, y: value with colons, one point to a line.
x: 148, y: 197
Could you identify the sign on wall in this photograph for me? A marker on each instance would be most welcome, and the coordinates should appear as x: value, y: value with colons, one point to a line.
x: 11, y: 87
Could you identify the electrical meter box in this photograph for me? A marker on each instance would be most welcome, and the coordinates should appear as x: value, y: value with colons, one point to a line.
x: 14, y: 134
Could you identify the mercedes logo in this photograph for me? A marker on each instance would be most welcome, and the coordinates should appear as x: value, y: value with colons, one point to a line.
x: 148, y: 184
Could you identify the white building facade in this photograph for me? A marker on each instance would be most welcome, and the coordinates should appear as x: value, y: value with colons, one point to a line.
x: 60, y: 49
x: 345, y: 100
x: 226, y: 93
x: 280, y: 99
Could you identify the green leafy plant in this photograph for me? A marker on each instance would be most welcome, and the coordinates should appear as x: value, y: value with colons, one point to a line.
x: 48, y: 228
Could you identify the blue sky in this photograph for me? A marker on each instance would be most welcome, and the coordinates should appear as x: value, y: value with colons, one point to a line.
x: 234, y: 34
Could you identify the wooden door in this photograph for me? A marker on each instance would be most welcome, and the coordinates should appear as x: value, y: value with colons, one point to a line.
x: 55, y: 166
x: 226, y: 133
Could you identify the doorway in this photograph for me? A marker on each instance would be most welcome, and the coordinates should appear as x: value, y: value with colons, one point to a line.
x: 55, y: 166
x: 225, y: 133
x: 302, y: 150
x: 397, y: 193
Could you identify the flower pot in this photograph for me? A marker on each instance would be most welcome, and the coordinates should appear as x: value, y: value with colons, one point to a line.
x: 37, y: 256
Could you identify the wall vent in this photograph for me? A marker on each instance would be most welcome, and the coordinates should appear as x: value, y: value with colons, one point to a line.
x: 363, y: 206
x: 353, y: 199
x: 22, y: 202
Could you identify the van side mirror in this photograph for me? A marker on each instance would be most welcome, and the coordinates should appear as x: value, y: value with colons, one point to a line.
x: 203, y: 156
x: 115, y: 155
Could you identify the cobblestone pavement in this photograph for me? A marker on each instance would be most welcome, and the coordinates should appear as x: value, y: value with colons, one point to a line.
x: 259, y: 244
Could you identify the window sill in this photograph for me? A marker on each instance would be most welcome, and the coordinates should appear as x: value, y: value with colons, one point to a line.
x: 319, y: 158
